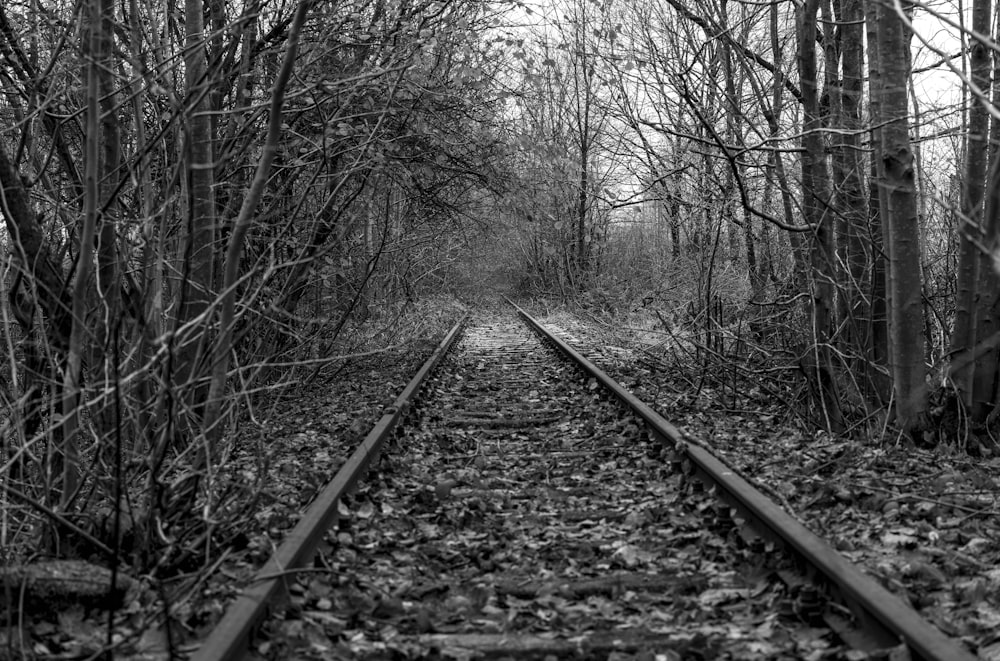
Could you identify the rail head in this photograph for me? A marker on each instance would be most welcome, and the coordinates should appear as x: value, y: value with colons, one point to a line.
x: 878, y: 610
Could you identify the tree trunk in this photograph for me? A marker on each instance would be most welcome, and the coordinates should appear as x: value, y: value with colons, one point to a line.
x: 852, y: 205
x: 973, y: 374
x: 831, y: 110
x: 45, y: 282
x: 583, y: 116
x: 201, y: 221
x: 897, y: 185
x: 581, y: 210
x: 815, y: 205
x: 193, y: 367
x: 95, y: 70
x: 674, y: 211
x: 109, y: 268
x: 877, y: 213
x: 772, y: 116
x: 733, y: 113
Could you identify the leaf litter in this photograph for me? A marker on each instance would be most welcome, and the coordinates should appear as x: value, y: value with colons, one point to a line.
x: 924, y: 522
x: 567, y: 539
x: 284, y: 454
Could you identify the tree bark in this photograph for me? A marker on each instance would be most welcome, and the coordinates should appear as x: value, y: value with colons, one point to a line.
x: 583, y: 81
x: 732, y: 111
x: 897, y: 184
x: 853, y: 205
x: 816, y: 203
x: 73, y: 375
x: 109, y: 268
x: 877, y: 212
x: 29, y: 247
x: 972, y: 372
x: 773, y: 115
x: 201, y: 222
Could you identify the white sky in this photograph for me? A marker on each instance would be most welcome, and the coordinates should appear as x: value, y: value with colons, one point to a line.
x: 935, y: 39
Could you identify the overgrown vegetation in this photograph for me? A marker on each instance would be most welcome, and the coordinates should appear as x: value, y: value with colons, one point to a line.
x: 208, y: 206
x: 756, y: 183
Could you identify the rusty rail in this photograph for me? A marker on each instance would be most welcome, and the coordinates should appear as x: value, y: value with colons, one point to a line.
x: 230, y: 637
x: 881, y: 614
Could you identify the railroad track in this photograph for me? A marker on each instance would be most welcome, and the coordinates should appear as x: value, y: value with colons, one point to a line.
x: 530, y: 508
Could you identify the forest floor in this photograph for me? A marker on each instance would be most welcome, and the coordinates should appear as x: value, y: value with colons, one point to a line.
x: 925, y: 522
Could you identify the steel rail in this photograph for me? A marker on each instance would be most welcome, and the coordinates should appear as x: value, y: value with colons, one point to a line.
x: 230, y: 638
x: 881, y: 614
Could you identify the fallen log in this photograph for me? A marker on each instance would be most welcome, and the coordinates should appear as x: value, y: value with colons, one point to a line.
x: 41, y: 589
